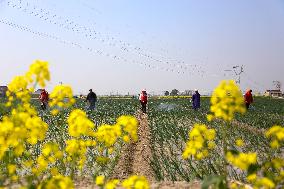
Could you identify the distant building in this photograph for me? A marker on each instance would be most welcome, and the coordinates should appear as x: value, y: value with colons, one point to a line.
x: 3, y: 90
x: 273, y: 93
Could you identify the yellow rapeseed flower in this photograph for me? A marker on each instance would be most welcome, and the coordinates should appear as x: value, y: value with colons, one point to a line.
x: 57, y: 182
x: 278, y: 163
x: 54, y: 171
x: 112, y: 184
x: 136, y: 182
x: 108, y: 134
x: 242, y: 160
x: 200, y: 141
x: 126, y: 138
x: 19, y: 83
x: 52, y: 151
x: 276, y: 133
x: 239, y: 142
x: 79, y: 124
x: 11, y: 169
x: 18, y: 128
x: 226, y: 100
x: 252, y: 177
x: 100, y: 180
x: 76, y: 150
x: 75, y: 147
x: 61, y: 97
x: 129, y: 125
x: 18, y: 88
x: 265, y: 183
x: 38, y: 72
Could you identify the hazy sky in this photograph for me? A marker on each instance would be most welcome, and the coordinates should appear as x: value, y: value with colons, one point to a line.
x: 124, y: 46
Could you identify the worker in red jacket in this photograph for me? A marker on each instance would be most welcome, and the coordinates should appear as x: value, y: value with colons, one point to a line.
x: 248, y: 98
x: 43, y: 97
x: 143, y: 100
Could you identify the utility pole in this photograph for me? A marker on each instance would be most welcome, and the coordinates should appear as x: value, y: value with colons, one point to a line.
x: 238, y: 70
x: 277, y: 85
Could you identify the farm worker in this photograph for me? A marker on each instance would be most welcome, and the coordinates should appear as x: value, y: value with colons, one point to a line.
x: 248, y: 98
x: 143, y: 100
x: 92, y: 99
x: 196, y: 100
x: 43, y: 97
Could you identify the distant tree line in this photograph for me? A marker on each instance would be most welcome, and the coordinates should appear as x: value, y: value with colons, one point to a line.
x: 176, y: 92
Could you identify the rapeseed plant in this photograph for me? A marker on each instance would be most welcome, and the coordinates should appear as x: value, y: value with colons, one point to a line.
x: 201, y: 140
x: 61, y: 97
x: 226, y: 100
x: 23, y: 143
x: 38, y: 73
x: 79, y: 124
x: 136, y: 182
x: 276, y: 133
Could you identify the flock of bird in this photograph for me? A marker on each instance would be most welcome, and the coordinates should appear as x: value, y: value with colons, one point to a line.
x: 146, y: 59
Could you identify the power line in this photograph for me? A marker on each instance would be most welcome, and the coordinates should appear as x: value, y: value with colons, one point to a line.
x: 90, y: 33
x: 77, y: 45
x: 252, y: 81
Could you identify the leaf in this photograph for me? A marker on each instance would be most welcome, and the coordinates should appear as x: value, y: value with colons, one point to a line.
x: 234, y: 151
x: 218, y: 181
x: 252, y: 168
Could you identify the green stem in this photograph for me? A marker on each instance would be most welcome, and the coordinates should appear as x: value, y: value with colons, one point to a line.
x: 225, y: 129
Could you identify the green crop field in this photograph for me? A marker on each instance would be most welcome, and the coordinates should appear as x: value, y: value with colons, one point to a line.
x: 169, y: 121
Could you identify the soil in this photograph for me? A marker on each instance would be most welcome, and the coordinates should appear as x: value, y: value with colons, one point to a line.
x: 156, y: 185
x: 135, y: 157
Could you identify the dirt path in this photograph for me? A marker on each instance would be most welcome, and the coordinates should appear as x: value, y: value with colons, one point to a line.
x: 135, y: 160
x: 135, y: 157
